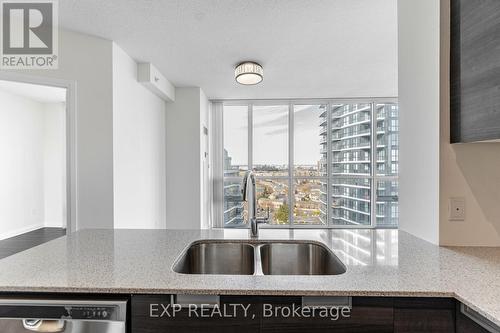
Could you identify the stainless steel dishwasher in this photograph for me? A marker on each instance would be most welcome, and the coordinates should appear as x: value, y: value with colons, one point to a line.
x: 68, y: 316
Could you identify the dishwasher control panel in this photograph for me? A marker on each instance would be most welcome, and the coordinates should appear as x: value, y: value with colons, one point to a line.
x: 92, y: 313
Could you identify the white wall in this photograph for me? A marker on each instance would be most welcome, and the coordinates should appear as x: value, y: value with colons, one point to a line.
x: 419, y: 102
x: 21, y: 171
x: 87, y: 61
x: 184, y: 123
x: 204, y: 163
x: 138, y: 149
x: 106, y: 88
x: 431, y: 169
x: 32, y: 172
x: 54, y: 167
x: 470, y: 171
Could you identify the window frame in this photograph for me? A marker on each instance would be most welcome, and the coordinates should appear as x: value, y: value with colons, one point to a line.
x: 218, y: 146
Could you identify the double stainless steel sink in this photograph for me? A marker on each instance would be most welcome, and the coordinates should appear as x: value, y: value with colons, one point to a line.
x: 258, y: 258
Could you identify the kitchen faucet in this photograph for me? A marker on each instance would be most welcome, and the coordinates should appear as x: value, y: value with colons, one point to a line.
x: 249, y: 196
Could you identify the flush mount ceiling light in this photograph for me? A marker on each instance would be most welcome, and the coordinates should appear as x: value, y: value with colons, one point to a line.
x: 248, y: 73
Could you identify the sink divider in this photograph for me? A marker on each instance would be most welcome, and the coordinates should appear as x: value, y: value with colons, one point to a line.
x: 257, y: 260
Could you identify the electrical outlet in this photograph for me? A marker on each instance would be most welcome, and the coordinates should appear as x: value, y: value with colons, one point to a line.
x: 456, y: 209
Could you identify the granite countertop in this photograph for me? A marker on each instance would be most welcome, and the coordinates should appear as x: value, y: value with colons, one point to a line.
x: 379, y: 263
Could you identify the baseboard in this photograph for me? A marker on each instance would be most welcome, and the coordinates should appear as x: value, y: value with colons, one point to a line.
x: 17, y: 232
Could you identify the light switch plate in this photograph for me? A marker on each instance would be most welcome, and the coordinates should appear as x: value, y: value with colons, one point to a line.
x: 456, y: 209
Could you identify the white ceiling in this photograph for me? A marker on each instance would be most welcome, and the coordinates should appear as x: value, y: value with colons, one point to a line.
x: 35, y: 92
x: 308, y: 48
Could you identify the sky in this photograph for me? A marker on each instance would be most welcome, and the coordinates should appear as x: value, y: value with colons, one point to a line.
x: 270, y: 142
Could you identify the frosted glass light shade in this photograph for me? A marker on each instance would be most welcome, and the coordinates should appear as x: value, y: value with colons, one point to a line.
x: 249, y: 73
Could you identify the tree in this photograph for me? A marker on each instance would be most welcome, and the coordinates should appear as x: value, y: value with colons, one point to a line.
x: 282, y: 214
x: 266, y: 193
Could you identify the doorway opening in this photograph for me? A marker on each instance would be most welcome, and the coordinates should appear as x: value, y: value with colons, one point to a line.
x: 33, y: 168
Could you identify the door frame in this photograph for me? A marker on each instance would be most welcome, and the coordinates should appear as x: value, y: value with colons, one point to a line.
x: 71, y: 139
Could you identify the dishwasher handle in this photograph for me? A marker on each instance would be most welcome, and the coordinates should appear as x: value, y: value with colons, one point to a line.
x: 46, y: 326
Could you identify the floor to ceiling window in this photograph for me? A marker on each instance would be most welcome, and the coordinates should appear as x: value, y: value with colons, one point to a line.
x: 327, y: 163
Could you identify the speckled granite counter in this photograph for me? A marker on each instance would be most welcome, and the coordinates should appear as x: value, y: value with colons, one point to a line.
x: 379, y: 263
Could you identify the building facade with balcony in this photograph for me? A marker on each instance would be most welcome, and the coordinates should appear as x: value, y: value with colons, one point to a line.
x: 353, y: 182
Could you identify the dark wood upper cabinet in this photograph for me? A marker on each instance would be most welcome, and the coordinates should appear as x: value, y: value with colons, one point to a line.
x: 475, y: 70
